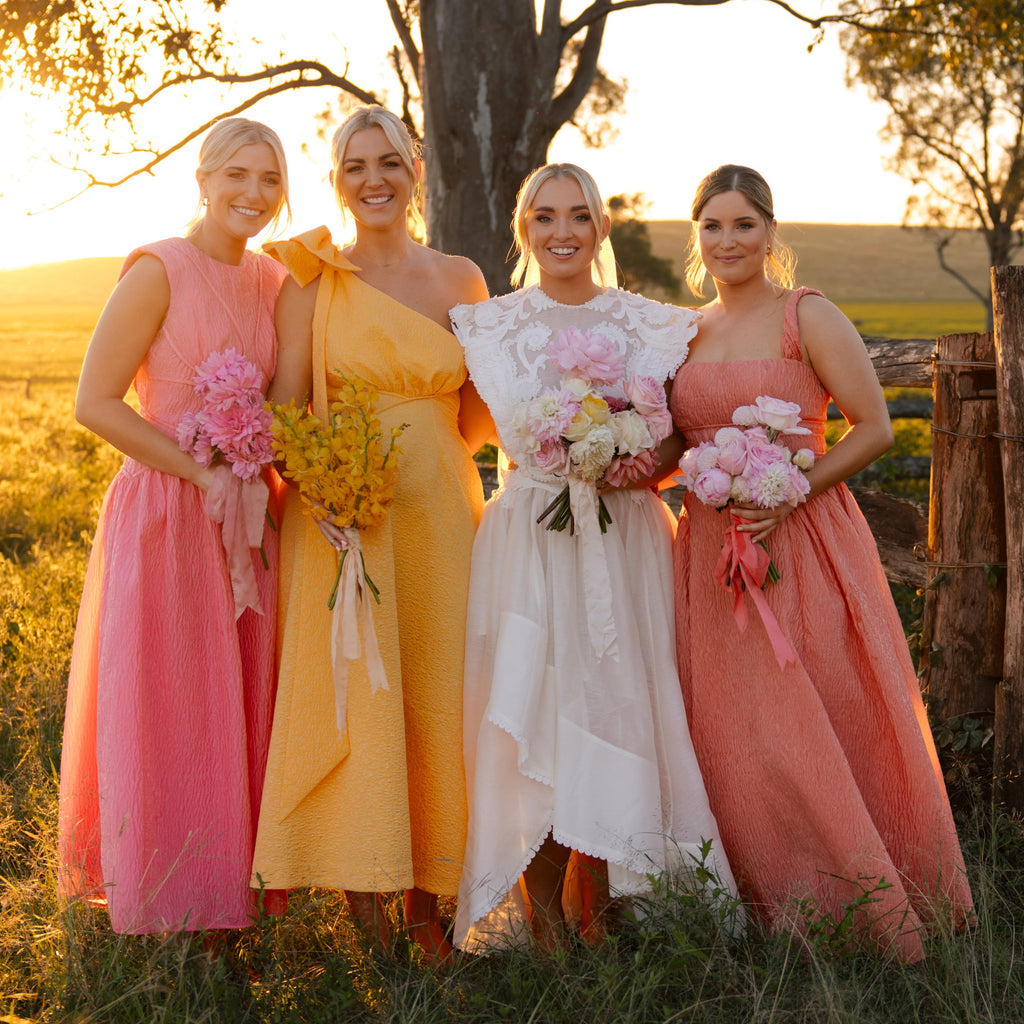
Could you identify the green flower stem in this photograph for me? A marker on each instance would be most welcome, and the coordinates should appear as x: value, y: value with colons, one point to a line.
x: 337, y: 579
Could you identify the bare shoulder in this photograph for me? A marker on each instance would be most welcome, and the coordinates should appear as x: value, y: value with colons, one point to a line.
x: 297, y: 296
x: 816, y: 313
x: 461, y: 278
x: 146, y: 272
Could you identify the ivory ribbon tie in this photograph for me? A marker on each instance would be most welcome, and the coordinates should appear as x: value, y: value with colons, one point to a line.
x: 743, y: 565
x: 597, y: 587
x: 240, y: 506
x: 352, y: 614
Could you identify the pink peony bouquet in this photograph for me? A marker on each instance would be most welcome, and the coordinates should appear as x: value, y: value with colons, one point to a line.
x: 745, y: 464
x: 232, y: 429
x: 233, y: 422
x: 596, y: 425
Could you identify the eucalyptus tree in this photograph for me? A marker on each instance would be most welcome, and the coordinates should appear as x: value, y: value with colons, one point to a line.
x: 952, y: 74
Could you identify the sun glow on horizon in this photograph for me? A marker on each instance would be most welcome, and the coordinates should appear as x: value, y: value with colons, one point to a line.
x: 708, y: 85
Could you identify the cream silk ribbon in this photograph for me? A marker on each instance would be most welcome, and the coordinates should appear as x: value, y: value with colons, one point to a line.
x: 597, y: 587
x: 352, y: 613
x: 240, y: 506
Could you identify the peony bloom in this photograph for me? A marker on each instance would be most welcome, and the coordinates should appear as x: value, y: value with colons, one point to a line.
x: 588, y: 354
x: 803, y: 458
x: 713, y: 487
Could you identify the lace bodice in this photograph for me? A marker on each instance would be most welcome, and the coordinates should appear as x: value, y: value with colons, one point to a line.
x: 506, y: 339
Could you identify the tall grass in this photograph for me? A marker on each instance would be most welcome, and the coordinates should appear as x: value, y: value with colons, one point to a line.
x: 63, y: 963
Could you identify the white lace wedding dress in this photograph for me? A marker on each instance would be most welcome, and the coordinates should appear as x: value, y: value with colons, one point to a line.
x: 592, y: 747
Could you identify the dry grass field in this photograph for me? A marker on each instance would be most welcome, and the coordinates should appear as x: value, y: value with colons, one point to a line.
x: 62, y: 963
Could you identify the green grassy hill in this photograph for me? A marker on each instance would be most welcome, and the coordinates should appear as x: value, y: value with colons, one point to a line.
x: 862, y: 263
x: 74, y: 282
x: 886, y: 279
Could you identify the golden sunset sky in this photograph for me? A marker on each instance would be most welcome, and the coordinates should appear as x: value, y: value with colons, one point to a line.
x: 732, y: 83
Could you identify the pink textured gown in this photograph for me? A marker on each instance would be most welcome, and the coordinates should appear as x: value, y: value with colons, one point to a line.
x: 823, y: 776
x: 169, y: 697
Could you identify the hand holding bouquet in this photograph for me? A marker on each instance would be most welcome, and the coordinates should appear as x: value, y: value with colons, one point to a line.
x: 232, y: 427
x: 745, y: 464
x: 345, y: 468
x: 594, y: 426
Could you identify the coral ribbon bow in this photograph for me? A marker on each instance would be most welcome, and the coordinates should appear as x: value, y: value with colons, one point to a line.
x: 240, y: 506
x: 352, y: 614
x: 743, y: 566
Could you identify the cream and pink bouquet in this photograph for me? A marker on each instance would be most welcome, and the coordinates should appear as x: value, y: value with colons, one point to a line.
x: 596, y: 425
x: 746, y: 464
x: 231, y: 430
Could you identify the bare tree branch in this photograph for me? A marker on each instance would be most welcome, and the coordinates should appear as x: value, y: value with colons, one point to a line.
x: 565, y: 103
x: 404, y: 30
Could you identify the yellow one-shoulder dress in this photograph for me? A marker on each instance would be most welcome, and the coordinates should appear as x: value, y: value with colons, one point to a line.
x: 381, y: 806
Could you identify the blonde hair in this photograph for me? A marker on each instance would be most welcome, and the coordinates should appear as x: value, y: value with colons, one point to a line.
x: 397, y: 134
x: 225, y: 139
x: 524, y: 202
x: 780, y: 260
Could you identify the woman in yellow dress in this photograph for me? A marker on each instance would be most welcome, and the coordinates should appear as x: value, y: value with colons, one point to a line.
x: 378, y: 805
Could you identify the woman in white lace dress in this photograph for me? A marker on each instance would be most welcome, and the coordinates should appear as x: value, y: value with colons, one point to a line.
x: 576, y: 744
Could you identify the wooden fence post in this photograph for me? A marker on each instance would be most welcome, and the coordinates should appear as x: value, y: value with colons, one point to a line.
x: 964, y: 605
x: 1008, y: 311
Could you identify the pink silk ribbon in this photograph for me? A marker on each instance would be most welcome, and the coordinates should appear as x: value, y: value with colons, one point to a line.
x: 743, y: 565
x: 240, y: 506
x: 352, y: 612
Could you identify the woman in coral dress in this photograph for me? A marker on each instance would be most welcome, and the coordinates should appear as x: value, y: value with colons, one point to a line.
x: 822, y: 774
x: 171, y: 685
x: 577, y: 750
x: 380, y: 804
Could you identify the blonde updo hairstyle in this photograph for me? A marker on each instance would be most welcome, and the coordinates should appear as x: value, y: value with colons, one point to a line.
x: 397, y: 134
x: 222, y: 141
x: 524, y: 203
x: 780, y: 260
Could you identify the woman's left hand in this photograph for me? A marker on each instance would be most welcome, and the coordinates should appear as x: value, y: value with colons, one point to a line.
x: 759, y: 522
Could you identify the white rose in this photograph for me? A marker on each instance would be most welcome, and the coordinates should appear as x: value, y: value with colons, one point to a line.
x: 631, y: 432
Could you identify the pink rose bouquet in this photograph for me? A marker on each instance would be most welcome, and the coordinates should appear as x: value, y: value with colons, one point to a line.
x: 232, y: 428
x: 596, y: 426
x: 745, y: 464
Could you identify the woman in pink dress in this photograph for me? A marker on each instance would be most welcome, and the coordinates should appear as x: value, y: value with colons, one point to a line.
x: 822, y: 774
x: 172, y: 676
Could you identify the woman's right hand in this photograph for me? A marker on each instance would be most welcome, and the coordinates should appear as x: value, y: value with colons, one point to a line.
x: 332, y: 532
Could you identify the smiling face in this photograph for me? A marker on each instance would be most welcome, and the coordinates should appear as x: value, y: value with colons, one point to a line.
x: 372, y: 180
x: 734, y: 238
x: 561, y: 232
x: 243, y: 195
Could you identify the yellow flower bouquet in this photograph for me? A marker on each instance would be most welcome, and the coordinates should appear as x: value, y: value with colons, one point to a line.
x: 344, y: 469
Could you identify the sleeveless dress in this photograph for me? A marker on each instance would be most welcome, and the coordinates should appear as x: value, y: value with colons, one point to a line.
x: 169, y: 697
x: 381, y: 806
x: 823, y: 776
x: 594, y: 750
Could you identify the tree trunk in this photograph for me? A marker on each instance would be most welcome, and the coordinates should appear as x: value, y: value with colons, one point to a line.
x: 487, y: 119
x: 963, y: 611
x: 1008, y: 294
